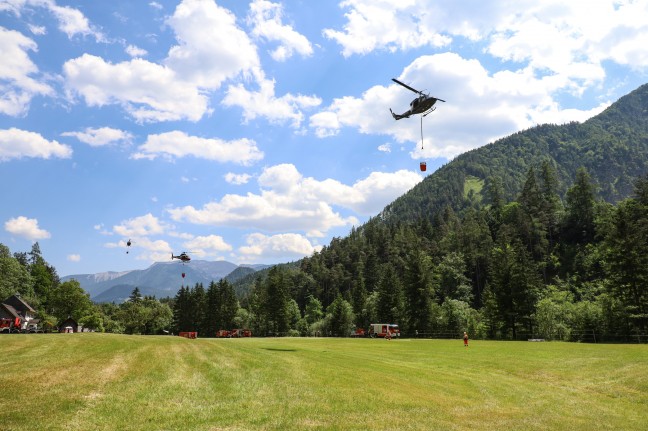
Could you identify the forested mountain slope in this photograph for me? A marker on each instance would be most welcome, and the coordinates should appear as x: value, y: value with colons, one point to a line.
x: 612, y: 147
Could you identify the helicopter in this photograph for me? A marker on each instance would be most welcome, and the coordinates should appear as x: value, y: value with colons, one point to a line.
x: 423, y: 104
x: 184, y: 257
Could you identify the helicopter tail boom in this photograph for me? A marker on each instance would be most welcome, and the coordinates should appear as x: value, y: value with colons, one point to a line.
x: 397, y: 116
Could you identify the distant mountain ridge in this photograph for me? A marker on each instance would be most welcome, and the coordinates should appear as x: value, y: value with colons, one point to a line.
x: 161, y: 279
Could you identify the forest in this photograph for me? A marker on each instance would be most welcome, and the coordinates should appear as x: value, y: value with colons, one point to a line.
x: 543, y: 265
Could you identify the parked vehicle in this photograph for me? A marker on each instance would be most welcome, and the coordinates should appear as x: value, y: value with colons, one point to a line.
x: 384, y: 330
x: 8, y: 325
x: 239, y: 333
x: 359, y: 332
x: 187, y: 334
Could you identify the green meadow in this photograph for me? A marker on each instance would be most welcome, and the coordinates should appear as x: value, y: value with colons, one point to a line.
x: 122, y: 382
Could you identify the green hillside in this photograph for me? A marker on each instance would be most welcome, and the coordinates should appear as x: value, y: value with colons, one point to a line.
x: 612, y: 147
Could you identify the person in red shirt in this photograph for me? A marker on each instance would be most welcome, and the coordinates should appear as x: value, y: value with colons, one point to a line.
x: 465, y: 337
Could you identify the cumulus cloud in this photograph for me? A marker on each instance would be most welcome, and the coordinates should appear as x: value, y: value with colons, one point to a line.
x: 17, y: 144
x: 211, y: 48
x: 385, y: 148
x: 135, y: 51
x: 265, y: 18
x: 37, y: 29
x: 481, y: 106
x: 237, y: 179
x: 550, y: 34
x: 141, y: 227
x: 388, y: 25
x: 210, y: 245
x: 147, y: 91
x: 537, y: 52
x: 266, y: 104
x: 70, y: 21
x: 17, y: 82
x: 289, y: 201
x: 74, y: 257
x: 26, y: 228
x: 101, y: 136
x: 276, y: 247
x: 178, y: 144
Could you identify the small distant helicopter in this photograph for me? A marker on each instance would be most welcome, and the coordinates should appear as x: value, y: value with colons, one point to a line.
x: 184, y: 257
x: 128, y: 244
x: 423, y: 104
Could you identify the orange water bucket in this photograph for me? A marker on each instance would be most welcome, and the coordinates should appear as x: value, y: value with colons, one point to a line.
x: 423, y: 166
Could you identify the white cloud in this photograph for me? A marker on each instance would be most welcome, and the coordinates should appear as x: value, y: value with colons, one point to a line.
x: 571, y: 39
x: 17, y: 86
x: 147, y: 91
x: 289, y: 201
x: 135, y: 51
x: 37, y: 29
x: 179, y: 144
x: 276, y: 247
x: 537, y: 52
x: 16, y: 144
x: 266, y: 104
x: 74, y: 257
x: 71, y: 21
x: 237, y: 179
x: 26, y: 228
x: 207, y: 245
x: 481, y: 106
x: 140, y: 227
x: 101, y: 136
x: 388, y: 25
x: 212, y: 48
x: 385, y: 148
x: 265, y: 18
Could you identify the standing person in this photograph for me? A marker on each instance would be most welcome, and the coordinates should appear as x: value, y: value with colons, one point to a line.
x: 465, y: 337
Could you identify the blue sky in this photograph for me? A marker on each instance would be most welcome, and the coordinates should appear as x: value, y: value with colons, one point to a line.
x: 255, y: 131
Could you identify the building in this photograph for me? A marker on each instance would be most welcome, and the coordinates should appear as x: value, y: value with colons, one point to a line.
x: 15, y: 308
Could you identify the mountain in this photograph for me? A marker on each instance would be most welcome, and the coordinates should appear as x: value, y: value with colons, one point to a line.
x: 161, y: 279
x: 612, y: 146
x: 93, y: 283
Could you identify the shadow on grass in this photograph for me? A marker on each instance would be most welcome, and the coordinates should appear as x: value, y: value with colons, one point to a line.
x: 275, y: 349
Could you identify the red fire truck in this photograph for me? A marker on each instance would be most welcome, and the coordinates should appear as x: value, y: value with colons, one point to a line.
x: 384, y: 330
x: 8, y: 325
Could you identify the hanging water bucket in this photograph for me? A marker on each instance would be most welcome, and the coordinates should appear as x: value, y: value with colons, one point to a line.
x: 183, y: 275
x: 423, y: 166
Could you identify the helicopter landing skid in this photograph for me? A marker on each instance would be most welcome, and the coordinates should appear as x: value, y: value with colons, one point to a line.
x: 429, y: 111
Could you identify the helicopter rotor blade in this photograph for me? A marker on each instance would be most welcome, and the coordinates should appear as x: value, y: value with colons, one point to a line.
x: 407, y: 86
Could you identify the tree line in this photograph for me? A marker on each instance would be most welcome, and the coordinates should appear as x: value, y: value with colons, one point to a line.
x: 561, y: 267
x: 568, y: 267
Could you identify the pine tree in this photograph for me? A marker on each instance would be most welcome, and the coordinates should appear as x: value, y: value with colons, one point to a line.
x: 418, y: 289
x: 390, y: 297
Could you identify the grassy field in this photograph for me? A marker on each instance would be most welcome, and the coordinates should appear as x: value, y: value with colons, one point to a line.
x: 120, y: 382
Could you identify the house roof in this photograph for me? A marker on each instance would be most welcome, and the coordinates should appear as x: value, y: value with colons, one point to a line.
x: 69, y: 321
x: 10, y: 310
x: 19, y: 304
